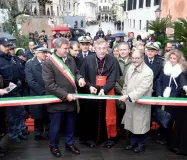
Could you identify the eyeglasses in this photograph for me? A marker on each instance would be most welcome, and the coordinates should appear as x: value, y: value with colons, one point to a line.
x: 137, y: 58
x: 99, y: 49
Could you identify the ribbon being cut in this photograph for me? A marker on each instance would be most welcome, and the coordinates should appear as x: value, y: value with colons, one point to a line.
x: 32, y: 100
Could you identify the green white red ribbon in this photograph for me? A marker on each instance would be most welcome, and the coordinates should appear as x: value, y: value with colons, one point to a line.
x: 33, y: 100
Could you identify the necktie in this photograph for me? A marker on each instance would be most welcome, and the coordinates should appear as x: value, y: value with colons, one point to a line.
x: 151, y: 62
x: 84, y: 55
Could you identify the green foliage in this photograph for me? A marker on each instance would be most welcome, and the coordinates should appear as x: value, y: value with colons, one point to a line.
x: 180, y: 34
x: 159, y: 27
x: 11, y: 27
x: 180, y: 27
x: 22, y: 42
x: 184, y: 50
x: 162, y: 39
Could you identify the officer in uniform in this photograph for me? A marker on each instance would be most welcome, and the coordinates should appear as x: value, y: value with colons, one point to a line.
x: 84, y: 46
x: 8, y: 70
x: 33, y: 72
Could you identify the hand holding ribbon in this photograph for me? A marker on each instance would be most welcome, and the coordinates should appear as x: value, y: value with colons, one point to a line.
x: 70, y: 97
x: 101, y: 93
x: 124, y: 98
x: 82, y: 82
x: 93, y: 90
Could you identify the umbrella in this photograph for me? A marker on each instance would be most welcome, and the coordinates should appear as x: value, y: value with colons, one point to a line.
x: 7, y: 35
x: 60, y: 28
x: 118, y: 35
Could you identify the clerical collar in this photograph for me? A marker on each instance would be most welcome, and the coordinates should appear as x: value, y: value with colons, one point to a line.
x: 100, y: 60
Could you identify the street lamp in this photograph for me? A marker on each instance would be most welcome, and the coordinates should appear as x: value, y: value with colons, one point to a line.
x: 158, y: 12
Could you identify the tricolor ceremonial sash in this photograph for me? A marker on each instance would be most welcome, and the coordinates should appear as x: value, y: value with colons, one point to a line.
x: 59, y: 63
x: 32, y: 100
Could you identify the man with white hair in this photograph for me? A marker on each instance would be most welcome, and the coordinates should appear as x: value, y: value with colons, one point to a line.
x: 98, y: 117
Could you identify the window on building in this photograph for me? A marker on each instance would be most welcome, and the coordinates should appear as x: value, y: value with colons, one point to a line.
x: 129, y: 6
x: 140, y: 25
x: 148, y: 3
x: 52, y: 12
x: 140, y: 3
x: 125, y: 6
x: 147, y: 23
x: 57, y: 11
x: 156, y: 2
x: 134, y: 23
x: 134, y: 4
x: 100, y: 8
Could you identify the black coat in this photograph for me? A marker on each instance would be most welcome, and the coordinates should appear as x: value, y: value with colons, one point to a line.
x: 57, y: 84
x: 179, y: 132
x: 80, y: 58
x: 163, y: 82
x: 6, y: 68
x: 30, y: 55
x: 111, y: 69
x: 3, y: 125
x: 33, y: 72
x: 157, y: 67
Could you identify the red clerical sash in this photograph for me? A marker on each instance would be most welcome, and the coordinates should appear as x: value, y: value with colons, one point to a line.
x: 110, y: 109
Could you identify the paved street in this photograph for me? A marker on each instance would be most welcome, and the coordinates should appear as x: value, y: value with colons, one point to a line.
x: 105, y: 26
x: 33, y: 150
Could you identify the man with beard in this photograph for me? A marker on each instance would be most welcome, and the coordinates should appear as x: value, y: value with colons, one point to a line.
x: 97, y: 118
x: 138, y: 83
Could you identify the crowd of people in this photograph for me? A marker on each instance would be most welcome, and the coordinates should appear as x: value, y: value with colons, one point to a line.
x: 103, y: 65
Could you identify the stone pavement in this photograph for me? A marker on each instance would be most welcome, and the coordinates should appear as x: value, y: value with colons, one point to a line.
x: 33, y: 150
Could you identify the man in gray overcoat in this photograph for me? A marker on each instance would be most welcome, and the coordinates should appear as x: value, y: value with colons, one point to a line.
x: 137, y: 118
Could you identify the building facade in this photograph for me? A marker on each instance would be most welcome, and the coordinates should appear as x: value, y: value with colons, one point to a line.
x: 55, y: 7
x: 106, y: 10
x: 175, y: 9
x: 120, y: 10
x: 88, y: 8
x: 137, y: 15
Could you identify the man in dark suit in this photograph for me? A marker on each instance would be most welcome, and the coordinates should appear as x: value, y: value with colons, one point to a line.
x: 74, y: 51
x: 154, y: 61
x: 30, y: 50
x: 84, y: 46
x: 33, y: 72
x: 60, y: 84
